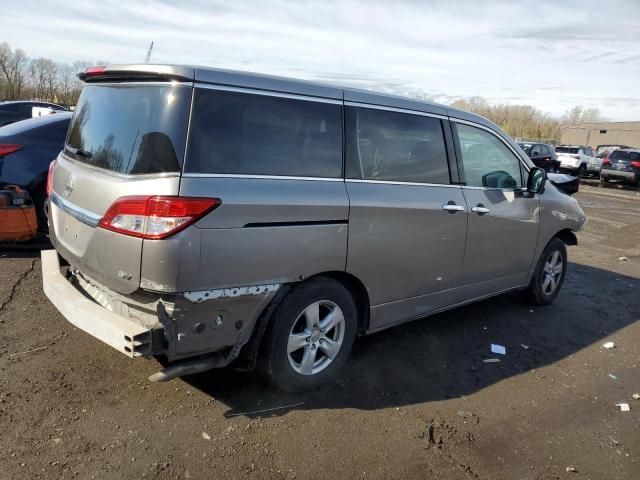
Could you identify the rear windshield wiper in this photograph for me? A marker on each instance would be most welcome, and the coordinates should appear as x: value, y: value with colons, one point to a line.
x: 79, y: 152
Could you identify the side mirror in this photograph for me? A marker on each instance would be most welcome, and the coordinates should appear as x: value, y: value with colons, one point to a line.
x: 536, y: 181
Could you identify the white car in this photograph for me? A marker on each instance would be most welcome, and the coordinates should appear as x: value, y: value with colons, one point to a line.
x: 578, y: 160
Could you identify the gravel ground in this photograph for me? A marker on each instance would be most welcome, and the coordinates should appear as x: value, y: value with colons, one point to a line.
x: 414, y: 401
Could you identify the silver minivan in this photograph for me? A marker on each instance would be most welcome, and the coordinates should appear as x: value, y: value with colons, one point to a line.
x: 206, y: 217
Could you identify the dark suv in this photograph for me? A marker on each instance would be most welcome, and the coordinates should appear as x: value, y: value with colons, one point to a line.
x: 542, y: 155
x: 622, y: 164
x: 21, y: 110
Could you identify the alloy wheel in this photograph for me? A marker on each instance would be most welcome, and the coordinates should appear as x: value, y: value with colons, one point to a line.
x: 552, y: 272
x: 316, y: 337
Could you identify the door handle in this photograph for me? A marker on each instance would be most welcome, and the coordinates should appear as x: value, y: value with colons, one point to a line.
x: 480, y: 209
x: 451, y: 207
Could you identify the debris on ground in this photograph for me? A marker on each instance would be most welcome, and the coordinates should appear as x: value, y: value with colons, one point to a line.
x: 612, y: 376
x: 491, y: 360
x: 624, y: 407
x: 499, y: 349
x: 623, y: 259
x: 27, y: 351
x: 636, y: 396
x: 608, y: 345
x: 267, y: 410
x: 572, y: 470
x: 206, y: 436
x: 526, y: 347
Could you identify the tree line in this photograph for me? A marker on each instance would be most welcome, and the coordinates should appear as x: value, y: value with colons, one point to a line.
x: 23, y: 78
x: 526, y: 121
x: 43, y: 79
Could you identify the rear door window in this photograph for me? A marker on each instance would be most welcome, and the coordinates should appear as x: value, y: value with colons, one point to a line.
x: 486, y: 160
x: 131, y: 129
x: 252, y: 134
x: 393, y: 146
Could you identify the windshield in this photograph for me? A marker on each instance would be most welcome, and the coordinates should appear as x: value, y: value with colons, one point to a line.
x: 567, y: 150
x: 131, y: 129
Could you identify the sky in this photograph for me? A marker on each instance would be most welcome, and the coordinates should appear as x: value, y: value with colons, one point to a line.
x: 550, y: 54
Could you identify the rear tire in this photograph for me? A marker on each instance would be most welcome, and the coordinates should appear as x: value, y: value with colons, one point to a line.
x: 310, y: 335
x: 549, y: 274
x: 582, y: 171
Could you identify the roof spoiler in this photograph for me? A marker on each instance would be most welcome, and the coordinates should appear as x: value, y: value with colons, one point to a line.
x: 141, y: 72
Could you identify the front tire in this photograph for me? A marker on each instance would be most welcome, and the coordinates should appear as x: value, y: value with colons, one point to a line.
x: 310, y: 335
x: 549, y: 274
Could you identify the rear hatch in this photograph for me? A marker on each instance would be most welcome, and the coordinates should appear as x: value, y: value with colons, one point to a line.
x: 623, y: 160
x: 568, y: 155
x: 126, y: 138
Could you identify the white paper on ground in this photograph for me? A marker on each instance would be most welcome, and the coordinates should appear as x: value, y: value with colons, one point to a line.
x: 608, y: 345
x: 624, y: 407
x: 499, y: 349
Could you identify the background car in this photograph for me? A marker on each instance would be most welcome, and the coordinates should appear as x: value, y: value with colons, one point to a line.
x: 26, y: 149
x: 542, y: 155
x: 622, y: 164
x: 578, y: 160
x: 605, y: 150
x: 21, y: 110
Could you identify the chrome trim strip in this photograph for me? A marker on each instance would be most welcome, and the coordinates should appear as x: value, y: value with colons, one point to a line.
x: 268, y: 93
x: 390, y: 182
x: 394, y: 109
x: 467, y: 187
x: 263, y: 177
x: 140, y: 176
x: 82, y: 214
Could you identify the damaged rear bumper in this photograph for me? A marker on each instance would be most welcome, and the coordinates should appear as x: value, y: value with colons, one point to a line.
x: 124, y: 334
x: 176, y: 325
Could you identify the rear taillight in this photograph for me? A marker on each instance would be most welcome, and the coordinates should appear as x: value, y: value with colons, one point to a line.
x: 635, y: 163
x: 8, y: 148
x: 52, y: 166
x: 155, y: 217
x: 606, y: 161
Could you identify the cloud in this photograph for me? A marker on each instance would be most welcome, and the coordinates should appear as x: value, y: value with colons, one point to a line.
x: 547, y: 53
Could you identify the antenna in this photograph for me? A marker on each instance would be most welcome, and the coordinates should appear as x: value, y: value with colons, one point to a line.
x: 148, y: 57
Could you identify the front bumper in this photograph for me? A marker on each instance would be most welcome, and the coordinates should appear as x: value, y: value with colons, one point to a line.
x: 124, y: 334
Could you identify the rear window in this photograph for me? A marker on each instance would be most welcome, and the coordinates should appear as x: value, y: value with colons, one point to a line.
x: 131, y: 129
x: 621, y: 155
x: 251, y: 134
x: 567, y: 150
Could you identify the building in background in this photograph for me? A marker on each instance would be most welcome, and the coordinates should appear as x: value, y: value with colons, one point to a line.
x: 604, y: 133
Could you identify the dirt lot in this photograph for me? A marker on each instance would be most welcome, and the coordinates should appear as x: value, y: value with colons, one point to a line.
x: 416, y: 401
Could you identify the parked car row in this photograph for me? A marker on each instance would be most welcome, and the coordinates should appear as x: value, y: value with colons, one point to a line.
x: 608, y: 162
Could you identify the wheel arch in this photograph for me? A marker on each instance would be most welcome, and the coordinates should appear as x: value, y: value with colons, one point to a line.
x: 252, y: 349
x: 567, y: 236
